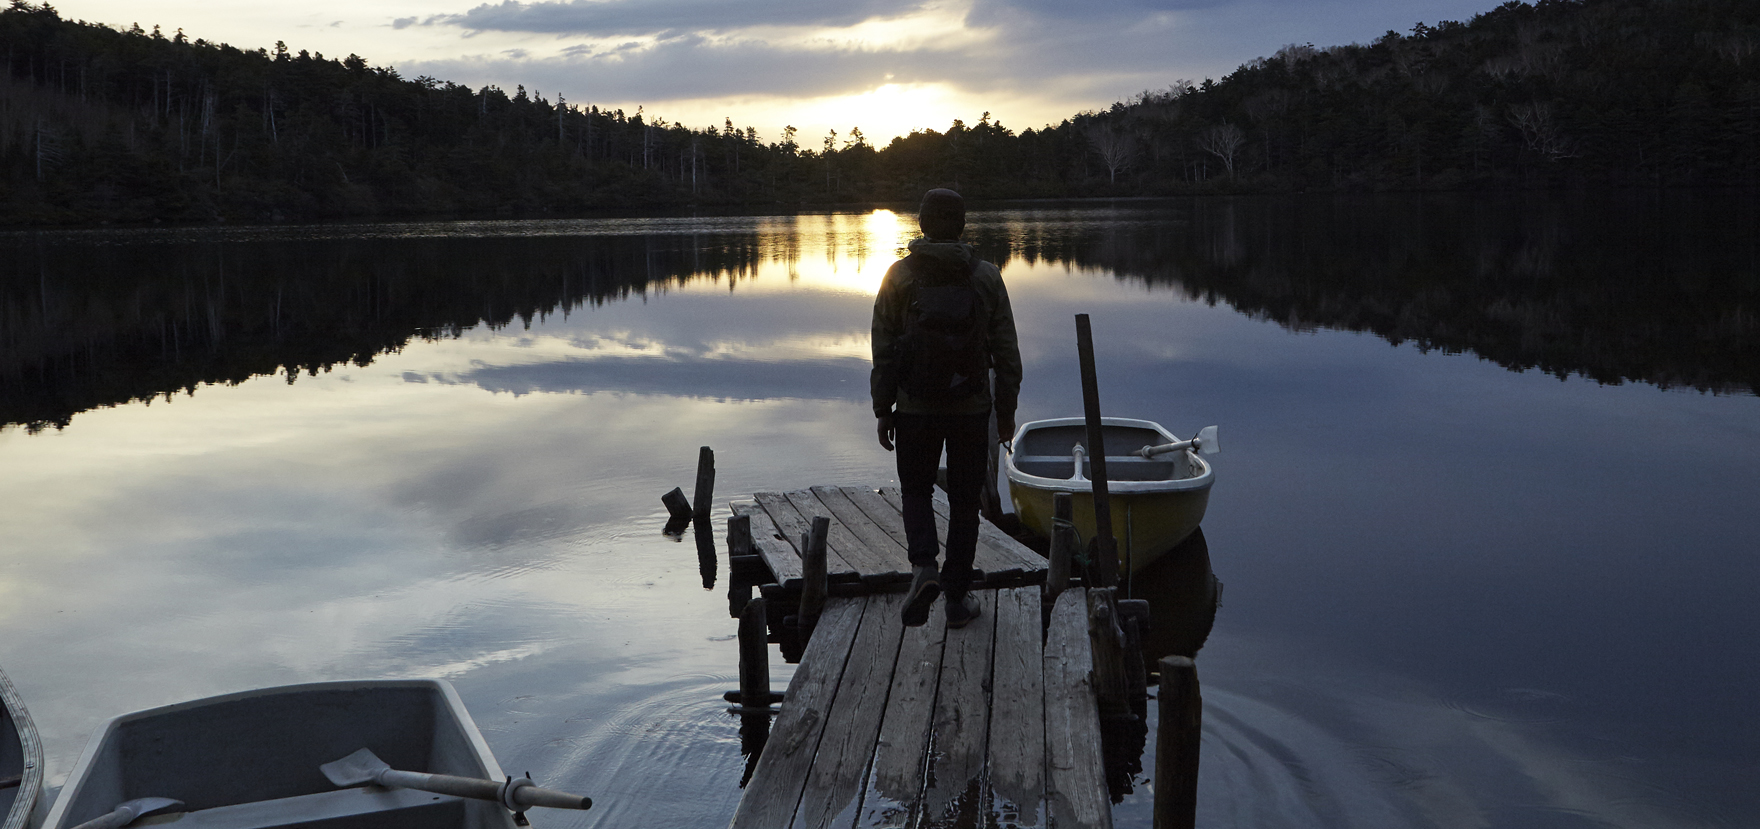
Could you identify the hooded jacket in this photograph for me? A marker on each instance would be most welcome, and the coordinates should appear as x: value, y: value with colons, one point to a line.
x: 890, y: 306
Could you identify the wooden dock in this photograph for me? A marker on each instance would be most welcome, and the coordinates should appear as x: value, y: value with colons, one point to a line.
x: 993, y: 724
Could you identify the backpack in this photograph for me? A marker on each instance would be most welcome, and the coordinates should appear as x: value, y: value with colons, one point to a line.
x: 943, y: 355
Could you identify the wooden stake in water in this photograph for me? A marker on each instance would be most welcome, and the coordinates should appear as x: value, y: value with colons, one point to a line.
x: 1105, y: 546
x: 705, y: 485
x: 1181, y: 711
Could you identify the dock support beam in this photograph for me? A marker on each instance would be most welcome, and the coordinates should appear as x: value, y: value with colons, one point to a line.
x: 814, y: 587
x: 1181, y: 711
x: 754, y: 695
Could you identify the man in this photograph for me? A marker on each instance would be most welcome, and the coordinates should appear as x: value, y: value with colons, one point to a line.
x: 942, y: 322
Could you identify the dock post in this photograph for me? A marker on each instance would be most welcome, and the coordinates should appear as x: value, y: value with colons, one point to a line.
x: 1181, y: 710
x: 1106, y: 638
x: 739, y: 537
x: 1103, y: 543
x: 813, y: 575
x: 754, y: 658
x: 992, y: 495
x: 1063, y: 545
x: 705, y: 486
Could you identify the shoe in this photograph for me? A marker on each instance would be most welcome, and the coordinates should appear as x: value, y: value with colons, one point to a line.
x: 925, y: 587
x: 963, y: 611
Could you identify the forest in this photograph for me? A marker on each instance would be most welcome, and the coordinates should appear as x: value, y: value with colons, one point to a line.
x: 103, y: 123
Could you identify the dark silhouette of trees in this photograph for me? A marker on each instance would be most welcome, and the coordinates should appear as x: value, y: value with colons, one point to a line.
x: 101, y: 123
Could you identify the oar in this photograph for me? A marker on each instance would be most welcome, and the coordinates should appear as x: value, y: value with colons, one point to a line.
x: 1205, y: 442
x: 128, y: 811
x: 517, y: 794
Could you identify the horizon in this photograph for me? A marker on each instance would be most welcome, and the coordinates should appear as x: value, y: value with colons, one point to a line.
x: 887, y: 68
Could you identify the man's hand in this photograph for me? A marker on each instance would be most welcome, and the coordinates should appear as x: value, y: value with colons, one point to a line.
x: 1004, y: 428
x: 885, y: 428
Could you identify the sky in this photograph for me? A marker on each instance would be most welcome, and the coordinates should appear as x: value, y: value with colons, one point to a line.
x: 884, y: 66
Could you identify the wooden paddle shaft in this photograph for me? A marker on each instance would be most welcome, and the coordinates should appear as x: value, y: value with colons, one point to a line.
x: 519, y: 790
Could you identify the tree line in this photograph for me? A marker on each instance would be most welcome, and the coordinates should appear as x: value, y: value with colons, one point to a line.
x: 102, y: 123
x: 1648, y: 286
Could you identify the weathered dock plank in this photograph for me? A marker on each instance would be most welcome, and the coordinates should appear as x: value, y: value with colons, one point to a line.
x: 833, y: 792
x: 959, y: 739
x: 996, y: 551
x: 894, y: 786
x: 793, y: 525
x: 776, y: 786
x: 1015, y: 770
x: 859, y: 555
x: 891, y: 551
x: 780, y: 555
x: 1076, y: 783
x: 882, y: 512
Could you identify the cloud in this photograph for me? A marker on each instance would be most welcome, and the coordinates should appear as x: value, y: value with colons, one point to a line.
x: 605, y: 18
x: 694, y: 67
x: 403, y: 22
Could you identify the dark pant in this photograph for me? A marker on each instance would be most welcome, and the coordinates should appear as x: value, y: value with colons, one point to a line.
x: 919, y: 440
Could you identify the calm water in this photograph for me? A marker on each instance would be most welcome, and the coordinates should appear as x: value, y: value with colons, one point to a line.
x: 1483, y: 511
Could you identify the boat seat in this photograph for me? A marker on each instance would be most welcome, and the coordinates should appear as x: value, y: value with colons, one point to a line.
x: 1118, y: 467
x: 365, y: 807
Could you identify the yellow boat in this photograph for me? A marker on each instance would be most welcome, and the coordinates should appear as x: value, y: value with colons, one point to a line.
x: 1157, y: 484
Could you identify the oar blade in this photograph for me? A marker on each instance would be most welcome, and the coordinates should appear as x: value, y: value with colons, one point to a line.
x: 357, y: 769
x: 1207, y: 441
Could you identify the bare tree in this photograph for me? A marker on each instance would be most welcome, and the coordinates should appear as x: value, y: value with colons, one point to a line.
x: 1223, y: 141
x: 1117, y: 149
x: 1540, y: 132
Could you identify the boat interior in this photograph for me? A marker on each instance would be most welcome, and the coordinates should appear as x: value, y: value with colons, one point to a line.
x: 1049, y: 452
x: 251, y: 761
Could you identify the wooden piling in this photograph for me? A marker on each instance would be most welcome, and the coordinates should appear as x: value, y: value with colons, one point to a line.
x: 814, y: 584
x: 991, y: 495
x: 1063, y: 545
x: 739, y: 537
x: 1181, y: 710
x: 1106, y: 638
x: 754, y: 659
x: 1106, y: 545
x: 705, y: 486
x: 677, y: 506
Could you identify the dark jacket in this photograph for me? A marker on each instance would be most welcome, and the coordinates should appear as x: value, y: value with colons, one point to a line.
x: 889, y: 320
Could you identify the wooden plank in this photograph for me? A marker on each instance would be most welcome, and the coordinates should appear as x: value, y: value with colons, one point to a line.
x: 1016, y: 765
x: 834, y: 789
x: 996, y: 551
x: 883, y: 513
x: 892, y: 796
x: 1007, y: 551
x: 776, y: 785
x: 780, y: 555
x: 877, y: 541
x: 841, y: 539
x: 1076, y: 783
x: 792, y: 525
x: 959, y: 738
x: 895, y: 499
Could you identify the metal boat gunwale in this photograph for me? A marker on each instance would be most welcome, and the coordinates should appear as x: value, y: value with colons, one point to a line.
x: 1204, y: 478
x: 30, y: 782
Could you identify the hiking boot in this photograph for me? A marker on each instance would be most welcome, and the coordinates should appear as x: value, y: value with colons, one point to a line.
x: 925, y: 587
x: 962, y: 611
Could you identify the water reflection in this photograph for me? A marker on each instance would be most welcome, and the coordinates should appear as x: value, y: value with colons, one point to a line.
x: 1656, y: 289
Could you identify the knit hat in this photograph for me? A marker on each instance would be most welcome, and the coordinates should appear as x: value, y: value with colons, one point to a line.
x: 942, y: 215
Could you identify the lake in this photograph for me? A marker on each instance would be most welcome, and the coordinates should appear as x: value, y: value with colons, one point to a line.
x: 1482, y: 510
